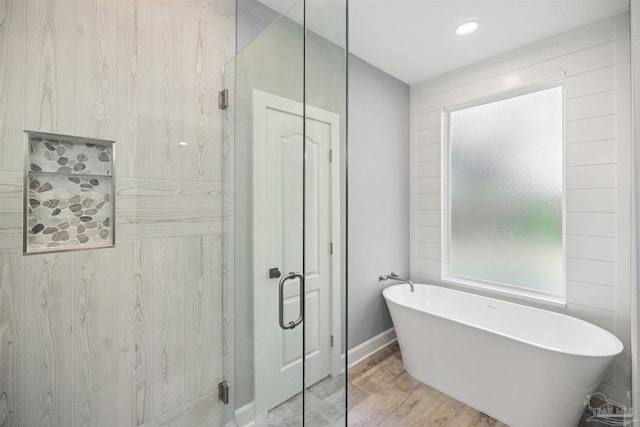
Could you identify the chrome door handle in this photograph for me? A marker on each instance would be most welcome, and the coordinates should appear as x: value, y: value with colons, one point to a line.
x: 296, y: 322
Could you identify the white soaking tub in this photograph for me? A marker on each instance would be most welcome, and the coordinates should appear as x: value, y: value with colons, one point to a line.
x: 523, y: 366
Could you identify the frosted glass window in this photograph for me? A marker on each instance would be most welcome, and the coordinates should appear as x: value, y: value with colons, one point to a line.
x: 505, y: 193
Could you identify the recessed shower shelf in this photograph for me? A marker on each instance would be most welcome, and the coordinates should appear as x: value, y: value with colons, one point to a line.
x: 69, y: 193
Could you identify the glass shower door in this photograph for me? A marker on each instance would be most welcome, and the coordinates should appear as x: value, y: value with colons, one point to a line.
x: 267, y: 155
x: 325, y: 212
x: 285, y: 274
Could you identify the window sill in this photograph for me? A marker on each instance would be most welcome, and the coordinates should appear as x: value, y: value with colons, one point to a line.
x: 496, y: 290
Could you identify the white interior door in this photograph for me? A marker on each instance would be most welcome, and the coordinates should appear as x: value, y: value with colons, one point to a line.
x: 317, y: 250
x: 278, y: 243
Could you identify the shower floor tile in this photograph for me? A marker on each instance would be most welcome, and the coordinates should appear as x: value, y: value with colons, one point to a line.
x: 324, y: 407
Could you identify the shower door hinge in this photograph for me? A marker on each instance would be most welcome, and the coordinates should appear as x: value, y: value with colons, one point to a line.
x: 331, y: 248
x: 223, y: 99
x: 331, y: 340
x: 223, y: 392
x: 330, y: 156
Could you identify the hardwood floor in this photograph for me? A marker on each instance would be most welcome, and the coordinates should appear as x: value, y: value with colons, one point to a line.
x: 382, y: 393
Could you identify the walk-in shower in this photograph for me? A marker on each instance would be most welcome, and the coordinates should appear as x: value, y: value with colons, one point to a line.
x: 210, y: 198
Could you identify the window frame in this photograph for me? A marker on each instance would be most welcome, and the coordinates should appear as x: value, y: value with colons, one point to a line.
x: 503, y: 289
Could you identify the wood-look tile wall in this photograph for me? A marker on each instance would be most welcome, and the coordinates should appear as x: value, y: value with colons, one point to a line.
x: 131, y: 335
x: 593, y: 65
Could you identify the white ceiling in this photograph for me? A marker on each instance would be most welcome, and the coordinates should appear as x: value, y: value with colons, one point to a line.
x: 414, y: 40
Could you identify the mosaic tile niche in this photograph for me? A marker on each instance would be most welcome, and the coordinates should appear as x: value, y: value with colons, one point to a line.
x: 69, y: 193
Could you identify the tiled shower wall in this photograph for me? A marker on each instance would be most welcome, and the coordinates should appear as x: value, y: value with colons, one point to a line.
x: 130, y: 335
x: 593, y: 65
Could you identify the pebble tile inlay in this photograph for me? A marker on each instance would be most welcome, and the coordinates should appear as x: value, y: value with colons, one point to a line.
x: 66, y: 208
x: 58, y: 155
x: 56, y: 224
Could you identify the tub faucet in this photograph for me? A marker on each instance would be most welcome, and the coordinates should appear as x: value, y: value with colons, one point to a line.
x: 394, y: 276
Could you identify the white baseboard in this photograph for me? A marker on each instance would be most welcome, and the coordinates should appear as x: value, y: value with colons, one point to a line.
x: 372, y: 345
x: 245, y: 416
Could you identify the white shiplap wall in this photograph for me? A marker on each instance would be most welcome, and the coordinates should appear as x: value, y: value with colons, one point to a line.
x: 592, y: 63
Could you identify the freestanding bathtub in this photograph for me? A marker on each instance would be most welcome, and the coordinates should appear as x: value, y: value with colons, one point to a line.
x: 523, y: 366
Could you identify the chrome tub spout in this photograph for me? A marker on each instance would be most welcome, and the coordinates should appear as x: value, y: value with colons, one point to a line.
x: 394, y: 276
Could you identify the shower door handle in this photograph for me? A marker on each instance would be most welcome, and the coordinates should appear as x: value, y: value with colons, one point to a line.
x: 296, y: 322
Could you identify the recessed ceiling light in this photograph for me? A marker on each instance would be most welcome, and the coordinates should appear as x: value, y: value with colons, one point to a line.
x: 467, y: 28
x: 182, y: 143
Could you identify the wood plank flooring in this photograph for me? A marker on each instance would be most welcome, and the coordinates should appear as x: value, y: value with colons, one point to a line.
x: 382, y: 393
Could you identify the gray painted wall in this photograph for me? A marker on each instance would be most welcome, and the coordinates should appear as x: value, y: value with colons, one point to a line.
x: 252, y: 18
x: 378, y: 213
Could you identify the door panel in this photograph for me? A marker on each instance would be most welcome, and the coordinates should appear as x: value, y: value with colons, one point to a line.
x: 317, y: 254
x: 278, y: 225
x: 277, y: 218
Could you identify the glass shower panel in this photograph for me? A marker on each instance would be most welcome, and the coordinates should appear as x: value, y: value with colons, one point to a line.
x: 284, y: 162
x: 253, y: 17
x: 324, y: 216
x: 268, y: 207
